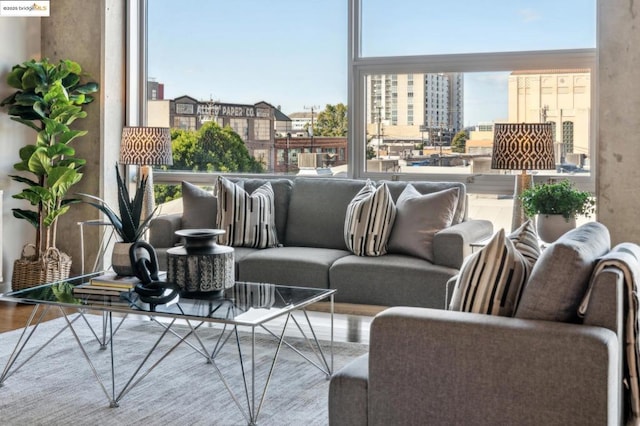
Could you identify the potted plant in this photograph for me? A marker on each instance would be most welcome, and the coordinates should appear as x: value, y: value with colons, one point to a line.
x: 50, y: 97
x: 127, y: 223
x: 556, y: 204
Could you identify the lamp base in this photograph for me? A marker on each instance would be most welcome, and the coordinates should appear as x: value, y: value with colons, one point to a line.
x: 523, y: 181
x: 148, y: 200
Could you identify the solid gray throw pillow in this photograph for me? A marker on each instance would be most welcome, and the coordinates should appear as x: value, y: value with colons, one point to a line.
x: 561, y: 275
x: 198, y: 207
x: 418, y: 218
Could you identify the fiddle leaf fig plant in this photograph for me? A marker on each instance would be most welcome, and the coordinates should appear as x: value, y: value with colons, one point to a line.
x: 557, y: 198
x: 49, y: 98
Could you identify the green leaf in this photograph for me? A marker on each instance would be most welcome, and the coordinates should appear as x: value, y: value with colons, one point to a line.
x: 24, y: 180
x: 27, y: 99
x: 28, y: 215
x: 87, y: 88
x: 26, y: 122
x: 14, y: 79
x: 67, y: 137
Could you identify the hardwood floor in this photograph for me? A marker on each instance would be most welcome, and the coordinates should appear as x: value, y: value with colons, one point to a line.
x: 347, y: 327
x: 14, y: 315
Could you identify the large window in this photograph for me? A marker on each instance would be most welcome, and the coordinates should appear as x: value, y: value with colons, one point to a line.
x: 423, y: 72
x: 249, y: 65
x: 413, y: 73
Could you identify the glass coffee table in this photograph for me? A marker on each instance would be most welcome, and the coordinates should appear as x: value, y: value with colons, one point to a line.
x: 251, y: 306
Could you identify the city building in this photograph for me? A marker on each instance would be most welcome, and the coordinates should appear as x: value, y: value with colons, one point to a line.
x: 301, y: 121
x: 254, y: 123
x: 561, y: 97
x: 155, y: 91
x: 330, y: 152
x: 426, y: 108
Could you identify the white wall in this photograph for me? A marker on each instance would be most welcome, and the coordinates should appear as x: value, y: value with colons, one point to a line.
x: 25, y: 45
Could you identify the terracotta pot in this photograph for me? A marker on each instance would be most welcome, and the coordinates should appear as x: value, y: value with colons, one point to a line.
x: 550, y: 227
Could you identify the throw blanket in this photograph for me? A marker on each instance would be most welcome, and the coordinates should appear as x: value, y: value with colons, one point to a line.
x: 626, y: 257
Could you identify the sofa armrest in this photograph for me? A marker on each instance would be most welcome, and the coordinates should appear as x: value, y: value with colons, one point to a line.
x: 162, y: 230
x: 452, y: 244
x: 461, y: 368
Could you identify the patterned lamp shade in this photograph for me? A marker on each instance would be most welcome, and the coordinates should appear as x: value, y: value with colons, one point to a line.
x: 146, y: 146
x: 523, y: 146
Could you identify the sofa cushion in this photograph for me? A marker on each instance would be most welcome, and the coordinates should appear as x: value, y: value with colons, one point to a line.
x: 248, y: 219
x: 198, y: 207
x: 295, y: 266
x: 368, y: 221
x: 390, y: 280
x: 396, y: 188
x: 491, y: 279
x: 317, y: 210
x: 560, y: 277
x: 418, y: 218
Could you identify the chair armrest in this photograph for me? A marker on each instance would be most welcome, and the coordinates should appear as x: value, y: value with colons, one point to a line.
x: 162, y: 230
x: 461, y: 368
x: 452, y: 244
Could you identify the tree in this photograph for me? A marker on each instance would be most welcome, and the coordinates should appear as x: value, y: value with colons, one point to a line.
x: 371, y: 153
x: 332, y: 121
x: 459, y: 142
x: 211, y: 149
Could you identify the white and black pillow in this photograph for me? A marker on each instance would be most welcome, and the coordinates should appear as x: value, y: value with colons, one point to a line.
x: 525, y: 239
x: 369, y: 219
x: 491, y: 280
x: 248, y: 219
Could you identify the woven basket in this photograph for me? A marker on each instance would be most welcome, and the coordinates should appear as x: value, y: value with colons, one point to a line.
x: 29, y: 271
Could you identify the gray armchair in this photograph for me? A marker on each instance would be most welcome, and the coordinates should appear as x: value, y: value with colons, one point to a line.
x: 436, y: 367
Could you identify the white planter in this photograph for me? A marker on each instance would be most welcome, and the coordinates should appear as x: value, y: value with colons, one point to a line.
x: 550, y: 227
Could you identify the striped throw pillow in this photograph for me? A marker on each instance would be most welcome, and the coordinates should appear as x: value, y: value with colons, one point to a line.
x: 491, y: 280
x: 369, y: 219
x: 248, y: 219
x: 525, y: 239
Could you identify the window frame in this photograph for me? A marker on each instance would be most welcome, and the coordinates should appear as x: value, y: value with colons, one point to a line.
x: 360, y: 67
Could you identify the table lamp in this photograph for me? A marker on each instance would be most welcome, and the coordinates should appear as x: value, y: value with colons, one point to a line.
x: 145, y: 147
x: 522, y: 146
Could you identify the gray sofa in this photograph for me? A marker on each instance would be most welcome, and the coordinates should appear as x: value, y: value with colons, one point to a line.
x: 439, y: 367
x: 309, y: 218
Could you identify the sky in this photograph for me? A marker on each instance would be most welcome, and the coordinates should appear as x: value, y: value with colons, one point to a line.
x: 293, y: 53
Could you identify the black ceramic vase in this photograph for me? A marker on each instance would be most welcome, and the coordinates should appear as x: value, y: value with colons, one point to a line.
x: 201, y: 265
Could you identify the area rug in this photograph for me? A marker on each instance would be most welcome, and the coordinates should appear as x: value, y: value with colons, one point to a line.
x: 57, y: 386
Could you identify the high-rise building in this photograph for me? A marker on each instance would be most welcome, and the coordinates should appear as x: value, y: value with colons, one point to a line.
x: 405, y: 106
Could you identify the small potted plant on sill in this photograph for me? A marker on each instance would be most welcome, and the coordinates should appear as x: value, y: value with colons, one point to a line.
x: 556, y: 204
x: 128, y: 224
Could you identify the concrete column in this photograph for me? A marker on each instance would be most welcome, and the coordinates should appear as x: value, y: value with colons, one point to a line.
x: 618, y: 148
x: 92, y: 34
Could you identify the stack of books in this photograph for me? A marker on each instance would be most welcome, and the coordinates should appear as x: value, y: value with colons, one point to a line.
x: 109, y: 284
x: 108, y: 287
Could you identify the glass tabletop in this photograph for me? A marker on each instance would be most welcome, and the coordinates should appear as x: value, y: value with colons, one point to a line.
x: 245, y: 303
